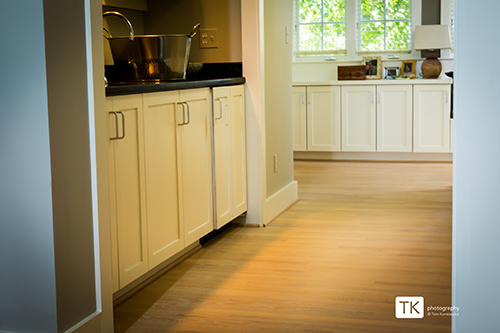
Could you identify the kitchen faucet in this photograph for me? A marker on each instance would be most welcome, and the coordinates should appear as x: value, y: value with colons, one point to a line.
x: 131, y: 30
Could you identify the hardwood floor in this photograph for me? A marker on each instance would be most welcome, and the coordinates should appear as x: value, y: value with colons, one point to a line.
x: 361, y: 234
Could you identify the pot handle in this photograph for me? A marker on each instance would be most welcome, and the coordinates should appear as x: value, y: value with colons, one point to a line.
x: 194, y: 30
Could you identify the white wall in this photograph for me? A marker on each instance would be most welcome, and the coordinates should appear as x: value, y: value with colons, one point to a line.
x: 68, y: 104
x: 27, y: 268
x: 179, y: 16
x: 49, y: 270
x: 476, y: 183
x: 278, y: 93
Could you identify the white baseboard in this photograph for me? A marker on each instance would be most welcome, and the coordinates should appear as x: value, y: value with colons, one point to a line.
x: 280, y: 201
x: 375, y: 156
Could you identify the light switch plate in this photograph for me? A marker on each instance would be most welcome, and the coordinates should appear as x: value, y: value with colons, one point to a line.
x: 209, y: 38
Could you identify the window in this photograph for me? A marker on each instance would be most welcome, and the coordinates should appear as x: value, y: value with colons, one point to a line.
x: 321, y: 27
x: 348, y: 29
x: 384, y: 25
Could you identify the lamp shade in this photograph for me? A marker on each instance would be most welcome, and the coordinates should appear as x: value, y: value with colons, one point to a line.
x: 432, y: 37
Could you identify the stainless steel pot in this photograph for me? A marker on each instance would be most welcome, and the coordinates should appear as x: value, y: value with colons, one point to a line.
x: 153, y: 57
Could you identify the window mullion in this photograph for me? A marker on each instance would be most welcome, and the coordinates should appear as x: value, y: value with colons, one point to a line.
x: 385, y: 25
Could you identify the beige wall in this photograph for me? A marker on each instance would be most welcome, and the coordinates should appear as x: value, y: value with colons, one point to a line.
x: 117, y: 27
x: 179, y: 16
x: 278, y: 93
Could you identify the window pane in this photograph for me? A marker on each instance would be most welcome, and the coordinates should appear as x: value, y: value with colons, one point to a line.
x: 372, y: 36
x: 334, y: 10
x: 398, y: 35
x: 398, y: 9
x: 310, y: 37
x: 310, y: 11
x: 372, y: 10
x: 334, y: 36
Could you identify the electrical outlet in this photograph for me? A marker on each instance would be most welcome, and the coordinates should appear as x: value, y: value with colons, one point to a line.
x: 275, y: 163
x: 208, y: 38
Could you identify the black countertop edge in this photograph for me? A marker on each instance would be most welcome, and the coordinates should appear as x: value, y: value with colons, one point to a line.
x: 141, y: 88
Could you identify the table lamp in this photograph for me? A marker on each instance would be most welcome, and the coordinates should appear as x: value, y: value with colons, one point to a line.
x: 432, y: 38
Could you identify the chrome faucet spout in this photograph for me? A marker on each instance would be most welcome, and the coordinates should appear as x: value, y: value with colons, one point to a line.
x: 131, y: 30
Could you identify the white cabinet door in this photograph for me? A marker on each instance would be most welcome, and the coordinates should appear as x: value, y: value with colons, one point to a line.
x: 222, y: 155
x: 323, y: 118
x: 431, y: 118
x: 299, y: 118
x: 195, y: 164
x: 128, y: 195
x: 238, y: 150
x: 394, y: 118
x: 165, y: 230
x: 358, y: 118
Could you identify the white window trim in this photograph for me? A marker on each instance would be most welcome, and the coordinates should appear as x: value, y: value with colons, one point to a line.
x: 351, y: 38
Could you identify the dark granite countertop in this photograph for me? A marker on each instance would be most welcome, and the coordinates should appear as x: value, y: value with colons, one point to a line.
x: 128, y: 88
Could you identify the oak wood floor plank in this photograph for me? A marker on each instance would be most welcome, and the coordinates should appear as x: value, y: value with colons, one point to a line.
x: 361, y: 234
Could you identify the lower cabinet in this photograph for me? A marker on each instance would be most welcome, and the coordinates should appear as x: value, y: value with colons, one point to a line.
x: 431, y: 118
x: 160, y: 177
x: 358, y: 118
x: 316, y: 118
x: 229, y: 153
x: 127, y: 189
x: 394, y: 117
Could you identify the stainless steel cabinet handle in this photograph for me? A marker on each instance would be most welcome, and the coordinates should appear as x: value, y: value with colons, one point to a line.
x: 116, y: 125
x: 220, y: 109
x: 118, y: 137
x: 302, y: 98
x: 183, y: 115
x: 189, y: 117
x: 123, y: 126
x: 446, y: 94
x: 309, y: 98
x: 378, y: 98
x: 372, y: 97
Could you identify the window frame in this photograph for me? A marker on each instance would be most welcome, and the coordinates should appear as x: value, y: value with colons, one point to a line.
x: 353, y: 54
x: 297, y: 24
x: 359, y: 30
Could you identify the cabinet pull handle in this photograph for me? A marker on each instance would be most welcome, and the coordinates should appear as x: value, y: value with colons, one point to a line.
x: 302, y: 98
x: 123, y: 126
x: 220, y: 109
x: 116, y: 125
x: 309, y: 98
x: 378, y: 98
x: 446, y: 98
x: 183, y: 115
x: 118, y: 136
x: 189, y: 117
x: 373, y: 96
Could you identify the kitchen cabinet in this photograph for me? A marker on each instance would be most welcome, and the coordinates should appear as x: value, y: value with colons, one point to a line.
x: 160, y: 167
x: 431, y: 118
x: 316, y: 118
x: 164, y: 225
x: 394, y: 118
x: 229, y: 153
x: 299, y: 118
x: 323, y: 118
x: 127, y: 190
x: 195, y: 164
x: 358, y: 118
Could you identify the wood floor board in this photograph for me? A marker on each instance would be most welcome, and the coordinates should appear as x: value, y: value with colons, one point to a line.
x: 362, y: 234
